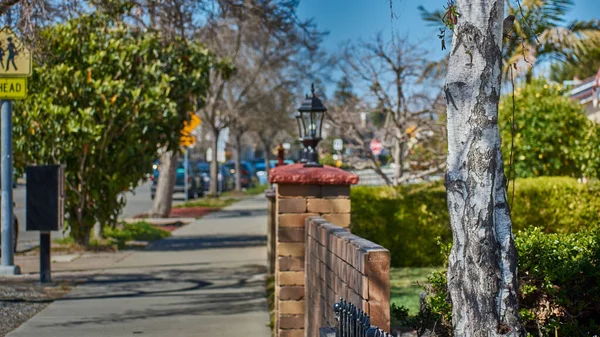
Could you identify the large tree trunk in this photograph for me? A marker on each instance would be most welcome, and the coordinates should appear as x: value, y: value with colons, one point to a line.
x: 214, y: 165
x: 238, y: 159
x: 482, y: 278
x: 167, y: 171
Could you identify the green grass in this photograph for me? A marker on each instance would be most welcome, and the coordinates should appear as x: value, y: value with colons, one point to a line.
x: 257, y: 189
x: 66, y: 241
x: 405, y: 289
x: 208, y: 202
x: 138, y: 231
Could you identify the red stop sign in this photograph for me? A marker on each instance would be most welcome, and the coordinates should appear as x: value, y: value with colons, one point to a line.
x: 376, y: 147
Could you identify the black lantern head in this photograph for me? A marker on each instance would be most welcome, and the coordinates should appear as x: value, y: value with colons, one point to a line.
x: 310, y: 119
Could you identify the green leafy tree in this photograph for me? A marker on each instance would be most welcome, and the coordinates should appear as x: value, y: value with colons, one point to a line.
x: 582, y: 66
x: 104, y: 100
x: 552, y: 135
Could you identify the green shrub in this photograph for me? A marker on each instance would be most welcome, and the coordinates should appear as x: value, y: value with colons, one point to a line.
x: 559, y: 285
x: 405, y: 220
x: 139, y: 231
x: 552, y: 136
x: 555, y: 204
x: 410, y: 220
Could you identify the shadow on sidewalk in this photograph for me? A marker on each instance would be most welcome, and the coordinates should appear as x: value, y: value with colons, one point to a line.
x: 169, y: 293
x: 207, y: 242
x: 238, y: 213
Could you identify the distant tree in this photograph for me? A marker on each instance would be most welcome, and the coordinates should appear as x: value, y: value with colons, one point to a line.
x: 273, y: 120
x: 101, y: 104
x: 388, y: 73
x: 260, y: 38
x: 344, y: 92
x: 581, y: 66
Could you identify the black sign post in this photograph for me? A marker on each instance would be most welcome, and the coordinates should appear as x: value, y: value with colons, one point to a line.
x: 45, y: 208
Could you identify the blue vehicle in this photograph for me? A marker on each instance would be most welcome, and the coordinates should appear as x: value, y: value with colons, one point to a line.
x: 246, y: 172
x: 195, y: 182
x: 225, y: 179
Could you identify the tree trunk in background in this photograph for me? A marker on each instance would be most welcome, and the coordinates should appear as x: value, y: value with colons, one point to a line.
x: 238, y: 159
x: 267, y: 150
x: 214, y: 165
x: 482, y: 278
x: 398, y: 156
x: 163, y: 199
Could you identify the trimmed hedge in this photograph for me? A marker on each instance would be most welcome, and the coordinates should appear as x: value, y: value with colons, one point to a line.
x: 406, y: 220
x: 410, y: 220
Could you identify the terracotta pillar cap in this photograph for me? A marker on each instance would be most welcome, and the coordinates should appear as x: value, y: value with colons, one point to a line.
x: 297, y: 174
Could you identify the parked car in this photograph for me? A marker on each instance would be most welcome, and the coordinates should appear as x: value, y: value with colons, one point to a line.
x: 225, y: 179
x: 246, y: 173
x: 194, y: 179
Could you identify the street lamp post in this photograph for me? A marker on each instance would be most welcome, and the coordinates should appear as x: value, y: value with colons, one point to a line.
x: 310, y: 118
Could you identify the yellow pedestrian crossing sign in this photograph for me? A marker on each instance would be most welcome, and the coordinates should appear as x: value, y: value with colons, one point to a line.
x: 15, y: 57
x: 188, y: 127
x: 186, y: 138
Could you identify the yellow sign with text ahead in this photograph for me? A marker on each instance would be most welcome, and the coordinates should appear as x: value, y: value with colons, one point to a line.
x: 13, y: 87
x: 15, y: 57
x: 187, y: 141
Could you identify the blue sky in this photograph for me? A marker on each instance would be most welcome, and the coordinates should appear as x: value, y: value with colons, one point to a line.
x: 362, y: 19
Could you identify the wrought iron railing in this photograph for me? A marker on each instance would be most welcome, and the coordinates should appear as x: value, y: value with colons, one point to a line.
x: 354, y: 322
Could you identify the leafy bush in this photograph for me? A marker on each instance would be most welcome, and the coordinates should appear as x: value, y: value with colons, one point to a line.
x: 409, y: 220
x: 139, y: 231
x: 552, y: 135
x: 559, y: 285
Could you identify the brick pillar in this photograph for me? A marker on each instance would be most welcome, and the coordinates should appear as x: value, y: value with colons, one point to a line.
x: 302, y: 192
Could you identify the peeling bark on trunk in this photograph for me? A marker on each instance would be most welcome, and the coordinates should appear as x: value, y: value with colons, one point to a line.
x: 482, y: 278
x: 214, y: 165
x: 163, y: 199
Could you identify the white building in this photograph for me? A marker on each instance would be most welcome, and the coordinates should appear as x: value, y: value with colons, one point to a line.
x: 587, y: 93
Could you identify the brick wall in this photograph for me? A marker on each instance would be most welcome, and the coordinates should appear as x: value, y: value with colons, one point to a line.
x: 342, y: 265
x: 295, y: 203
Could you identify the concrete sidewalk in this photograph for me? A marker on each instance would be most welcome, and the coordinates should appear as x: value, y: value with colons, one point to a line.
x: 205, y: 280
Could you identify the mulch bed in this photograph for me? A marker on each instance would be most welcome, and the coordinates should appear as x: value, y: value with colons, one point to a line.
x: 191, y: 212
x: 187, y: 212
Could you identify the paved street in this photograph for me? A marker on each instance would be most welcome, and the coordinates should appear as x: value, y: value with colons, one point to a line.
x: 206, y: 280
x: 137, y: 202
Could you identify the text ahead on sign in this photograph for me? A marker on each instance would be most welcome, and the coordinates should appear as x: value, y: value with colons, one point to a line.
x: 187, y: 141
x: 13, y: 87
x: 15, y: 57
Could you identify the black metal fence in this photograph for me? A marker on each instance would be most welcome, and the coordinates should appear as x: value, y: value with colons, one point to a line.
x: 354, y: 322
